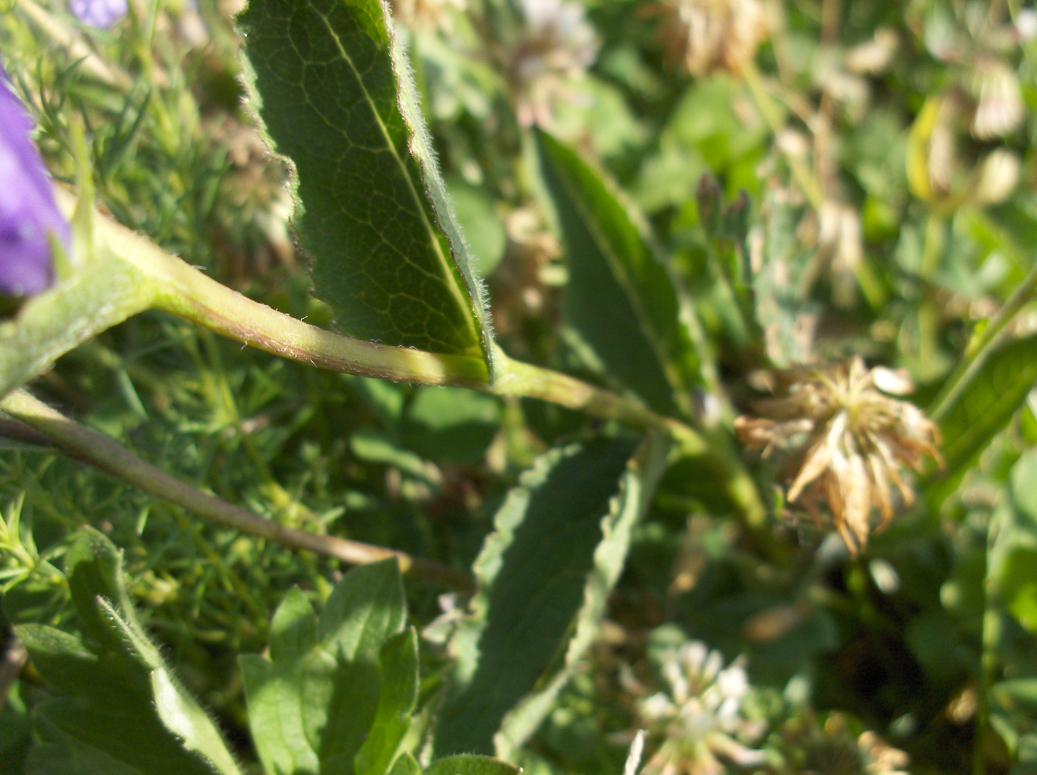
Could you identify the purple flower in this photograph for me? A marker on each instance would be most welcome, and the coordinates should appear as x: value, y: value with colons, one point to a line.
x: 99, y: 13
x: 28, y: 212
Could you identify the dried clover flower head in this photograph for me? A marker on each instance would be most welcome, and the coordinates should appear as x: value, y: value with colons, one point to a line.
x: 427, y: 14
x: 850, y: 439
x: 699, y: 716
x: 553, y: 51
x: 704, y: 36
x: 831, y: 748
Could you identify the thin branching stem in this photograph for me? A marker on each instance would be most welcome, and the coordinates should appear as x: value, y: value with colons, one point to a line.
x: 104, y: 453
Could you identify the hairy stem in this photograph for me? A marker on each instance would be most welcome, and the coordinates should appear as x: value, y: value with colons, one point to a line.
x: 524, y: 380
x: 109, y: 456
x: 129, y: 274
x: 187, y: 292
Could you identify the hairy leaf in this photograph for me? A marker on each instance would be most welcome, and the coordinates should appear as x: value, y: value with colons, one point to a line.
x: 406, y: 765
x: 543, y: 576
x: 115, y: 680
x: 620, y: 302
x: 335, y: 94
x: 636, y: 488
x: 470, y: 765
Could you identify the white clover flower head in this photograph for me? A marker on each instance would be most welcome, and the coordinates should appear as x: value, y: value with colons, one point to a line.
x: 698, y: 717
x: 551, y: 54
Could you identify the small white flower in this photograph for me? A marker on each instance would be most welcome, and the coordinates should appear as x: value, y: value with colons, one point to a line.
x: 698, y: 721
x: 551, y: 54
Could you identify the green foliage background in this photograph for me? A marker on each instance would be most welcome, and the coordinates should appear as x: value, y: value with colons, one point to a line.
x: 926, y: 639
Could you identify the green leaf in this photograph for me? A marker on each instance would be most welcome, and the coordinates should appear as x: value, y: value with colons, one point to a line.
x: 48, y: 759
x: 471, y: 765
x: 406, y: 765
x: 482, y: 225
x: 396, y: 703
x: 620, y: 302
x: 97, y: 296
x: 326, y: 673
x: 1017, y: 695
x: 987, y: 402
x: 783, y: 308
x: 451, y: 425
x: 636, y: 488
x: 335, y: 94
x: 15, y: 733
x: 116, y: 680
x: 543, y: 577
x: 95, y: 731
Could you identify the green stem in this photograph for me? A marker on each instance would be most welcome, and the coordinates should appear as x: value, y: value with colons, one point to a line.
x: 102, y: 452
x: 991, y: 635
x: 187, y: 292
x: 523, y: 380
x: 808, y: 183
x: 94, y: 299
x: 130, y: 274
x: 982, y: 345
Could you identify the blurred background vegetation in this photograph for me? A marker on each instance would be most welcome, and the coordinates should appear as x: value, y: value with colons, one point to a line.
x: 872, y: 161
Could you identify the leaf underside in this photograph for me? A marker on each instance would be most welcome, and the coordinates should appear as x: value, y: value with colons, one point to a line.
x: 336, y: 99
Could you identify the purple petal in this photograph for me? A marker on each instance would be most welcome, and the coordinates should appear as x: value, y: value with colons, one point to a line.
x: 99, y: 13
x: 28, y: 212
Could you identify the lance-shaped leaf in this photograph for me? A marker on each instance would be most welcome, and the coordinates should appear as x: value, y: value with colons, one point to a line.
x: 544, y: 577
x: 620, y: 302
x: 988, y: 401
x: 111, y: 681
x: 336, y: 97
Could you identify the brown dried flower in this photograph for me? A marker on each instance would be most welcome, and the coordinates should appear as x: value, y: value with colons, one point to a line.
x: 704, y: 36
x: 849, y: 440
x: 831, y: 748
